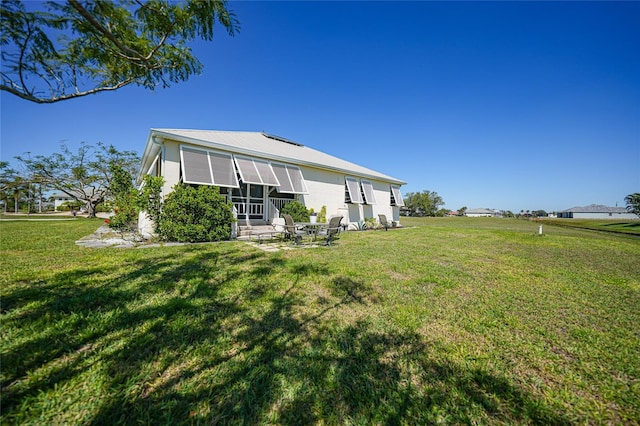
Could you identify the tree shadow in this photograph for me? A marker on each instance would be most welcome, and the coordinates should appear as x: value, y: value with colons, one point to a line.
x: 228, y: 344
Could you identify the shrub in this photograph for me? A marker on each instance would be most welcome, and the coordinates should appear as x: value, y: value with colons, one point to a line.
x: 70, y: 205
x: 370, y: 223
x: 195, y: 214
x: 150, y: 199
x: 125, y: 199
x: 322, y: 216
x: 297, y: 210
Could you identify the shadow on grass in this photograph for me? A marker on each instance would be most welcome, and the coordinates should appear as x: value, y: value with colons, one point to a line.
x: 233, y: 337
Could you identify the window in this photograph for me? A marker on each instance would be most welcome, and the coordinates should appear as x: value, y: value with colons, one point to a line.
x: 195, y: 166
x: 367, y: 190
x: 352, y: 193
x: 256, y: 171
x: 396, y: 197
x: 207, y: 167
x: 290, y: 178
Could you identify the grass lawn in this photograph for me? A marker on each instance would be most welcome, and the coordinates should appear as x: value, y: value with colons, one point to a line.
x: 620, y: 226
x: 453, y: 320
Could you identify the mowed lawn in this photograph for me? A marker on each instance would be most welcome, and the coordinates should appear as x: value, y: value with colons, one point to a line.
x: 454, y: 320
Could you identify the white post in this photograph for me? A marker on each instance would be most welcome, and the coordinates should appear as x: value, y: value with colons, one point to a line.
x: 540, y: 230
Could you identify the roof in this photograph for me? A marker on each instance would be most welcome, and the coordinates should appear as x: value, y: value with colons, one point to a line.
x: 262, y: 145
x: 596, y: 208
x: 480, y: 211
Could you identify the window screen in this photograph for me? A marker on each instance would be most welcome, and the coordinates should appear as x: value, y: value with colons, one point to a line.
x: 224, y: 174
x: 367, y: 188
x: 395, y: 191
x: 195, y: 166
x: 248, y: 171
x: 295, y: 174
x: 266, y: 172
x: 283, y: 177
x: 207, y: 167
x: 290, y: 179
x: 354, y: 190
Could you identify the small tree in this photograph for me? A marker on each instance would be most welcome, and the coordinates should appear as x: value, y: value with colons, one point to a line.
x: 195, y: 215
x: 85, y: 175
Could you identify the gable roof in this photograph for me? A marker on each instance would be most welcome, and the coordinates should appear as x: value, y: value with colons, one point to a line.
x: 261, y: 145
x: 596, y: 208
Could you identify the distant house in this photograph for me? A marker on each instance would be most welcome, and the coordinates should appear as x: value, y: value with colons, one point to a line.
x: 596, y: 211
x: 480, y: 213
x: 59, y: 198
x: 259, y: 173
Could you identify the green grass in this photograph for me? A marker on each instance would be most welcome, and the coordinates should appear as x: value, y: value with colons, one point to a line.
x: 446, y: 321
x: 631, y: 227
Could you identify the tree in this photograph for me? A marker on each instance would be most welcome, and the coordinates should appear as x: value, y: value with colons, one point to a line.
x: 103, y: 45
x: 85, y: 175
x: 425, y: 203
x: 633, y: 203
x: 7, y: 176
x: 462, y: 211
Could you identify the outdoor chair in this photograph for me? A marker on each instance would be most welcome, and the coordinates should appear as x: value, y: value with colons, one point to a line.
x: 330, y: 232
x: 291, y: 231
x: 384, y: 222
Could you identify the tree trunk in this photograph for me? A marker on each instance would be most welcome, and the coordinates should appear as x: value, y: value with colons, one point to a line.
x: 91, y: 208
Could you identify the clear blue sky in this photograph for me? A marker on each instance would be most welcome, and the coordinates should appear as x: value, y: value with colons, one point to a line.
x: 506, y: 105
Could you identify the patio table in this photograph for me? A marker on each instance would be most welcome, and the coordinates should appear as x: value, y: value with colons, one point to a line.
x: 312, y: 228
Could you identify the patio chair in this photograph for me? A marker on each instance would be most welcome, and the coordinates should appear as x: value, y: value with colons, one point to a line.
x: 329, y: 233
x: 291, y: 231
x: 384, y: 222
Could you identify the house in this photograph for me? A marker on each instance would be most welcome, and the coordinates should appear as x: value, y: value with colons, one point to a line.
x: 596, y: 211
x: 259, y: 173
x: 479, y: 213
x: 59, y: 198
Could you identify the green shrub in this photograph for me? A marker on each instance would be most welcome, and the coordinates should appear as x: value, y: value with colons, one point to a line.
x: 370, y: 223
x: 297, y: 210
x: 195, y: 215
x: 125, y: 199
x: 322, y: 216
x: 150, y: 199
x: 70, y: 205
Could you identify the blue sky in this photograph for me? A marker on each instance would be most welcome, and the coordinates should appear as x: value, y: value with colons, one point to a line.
x: 506, y: 105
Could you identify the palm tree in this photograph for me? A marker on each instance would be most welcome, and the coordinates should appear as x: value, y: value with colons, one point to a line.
x: 633, y: 203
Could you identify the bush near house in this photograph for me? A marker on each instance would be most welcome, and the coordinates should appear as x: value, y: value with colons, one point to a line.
x: 195, y: 215
x: 297, y: 210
